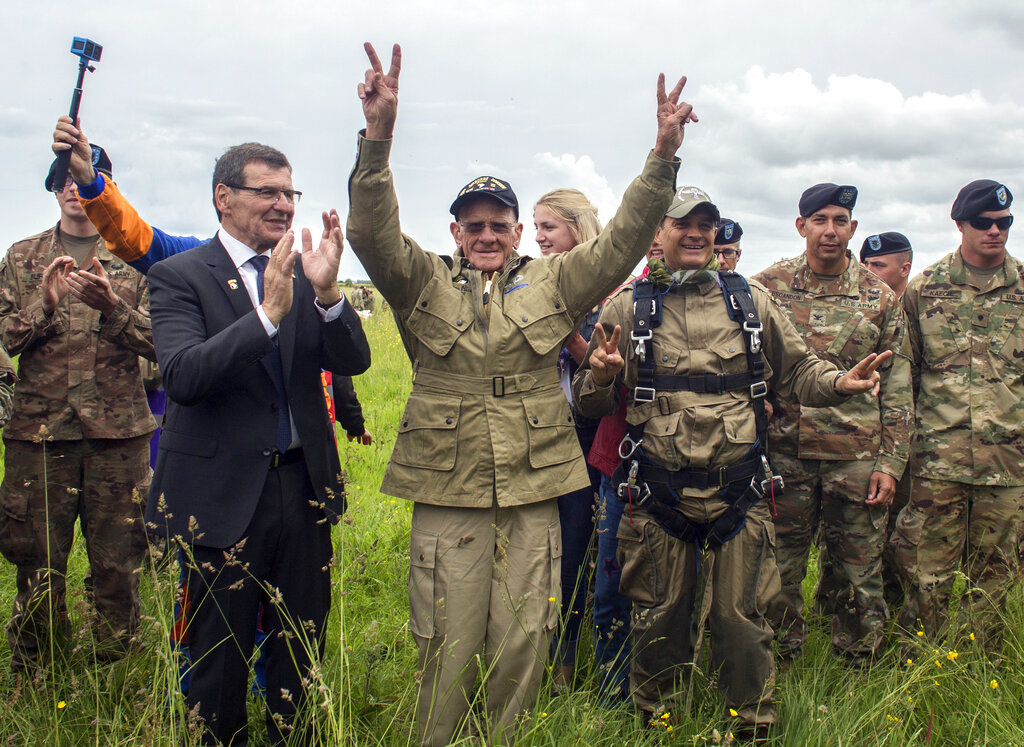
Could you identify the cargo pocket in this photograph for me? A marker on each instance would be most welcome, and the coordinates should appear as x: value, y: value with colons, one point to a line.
x: 428, y: 432
x: 763, y: 582
x: 550, y: 428
x: 17, y: 540
x: 640, y: 580
x: 554, y: 599
x: 422, y: 602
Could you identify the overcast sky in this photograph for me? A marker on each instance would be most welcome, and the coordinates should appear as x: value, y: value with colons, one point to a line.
x: 906, y: 100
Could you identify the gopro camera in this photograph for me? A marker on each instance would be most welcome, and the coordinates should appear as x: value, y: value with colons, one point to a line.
x: 86, y: 49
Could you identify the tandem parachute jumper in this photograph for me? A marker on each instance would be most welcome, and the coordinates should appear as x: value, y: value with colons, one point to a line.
x: 653, y: 487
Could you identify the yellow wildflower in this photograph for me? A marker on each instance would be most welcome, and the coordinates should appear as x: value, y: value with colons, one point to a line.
x: 971, y: 636
x: 952, y: 655
x: 733, y: 713
x: 665, y: 715
x: 61, y: 704
x: 920, y: 634
x: 552, y: 600
x: 993, y: 684
x: 910, y: 662
x: 543, y: 715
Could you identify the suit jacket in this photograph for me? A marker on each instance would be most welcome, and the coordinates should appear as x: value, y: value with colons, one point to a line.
x: 219, y: 431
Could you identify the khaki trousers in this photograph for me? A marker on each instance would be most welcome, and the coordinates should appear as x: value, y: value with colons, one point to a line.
x: 484, y: 596
x: 660, y: 574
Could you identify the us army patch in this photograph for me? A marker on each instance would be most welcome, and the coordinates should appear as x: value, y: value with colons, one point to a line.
x: 858, y: 304
x: 1014, y: 297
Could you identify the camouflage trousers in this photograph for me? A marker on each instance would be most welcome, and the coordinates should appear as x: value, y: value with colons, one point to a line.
x: 662, y: 575
x: 894, y: 559
x: 949, y: 525
x: 103, y: 482
x: 830, y: 493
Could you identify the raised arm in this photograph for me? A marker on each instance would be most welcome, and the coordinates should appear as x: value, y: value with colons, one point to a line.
x: 398, y: 267
x: 127, y: 235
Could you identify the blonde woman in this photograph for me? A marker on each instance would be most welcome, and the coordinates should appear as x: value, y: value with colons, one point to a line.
x: 565, y: 218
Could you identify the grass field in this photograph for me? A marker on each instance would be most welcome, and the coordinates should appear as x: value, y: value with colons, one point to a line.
x: 952, y: 695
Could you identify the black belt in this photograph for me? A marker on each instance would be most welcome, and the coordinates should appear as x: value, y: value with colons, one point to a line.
x: 710, y: 383
x: 698, y: 478
x: 291, y: 456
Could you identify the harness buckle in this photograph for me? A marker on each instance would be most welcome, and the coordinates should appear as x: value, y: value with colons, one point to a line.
x: 758, y: 390
x: 644, y: 394
x: 629, y: 443
x: 641, y: 338
x: 754, y: 329
x: 772, y: 483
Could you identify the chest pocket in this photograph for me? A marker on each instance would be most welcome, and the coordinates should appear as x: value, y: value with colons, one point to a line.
x: 442, y: 313
x: 1008, y: 342
x: 539, y: 313
x: 856, y: 339
x: 942, y: 336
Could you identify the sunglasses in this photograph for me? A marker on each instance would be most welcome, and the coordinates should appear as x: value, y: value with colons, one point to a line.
x: 984, y: 224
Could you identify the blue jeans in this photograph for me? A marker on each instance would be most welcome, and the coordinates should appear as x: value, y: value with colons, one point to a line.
x: 611, y: 609
x: 576, y: 515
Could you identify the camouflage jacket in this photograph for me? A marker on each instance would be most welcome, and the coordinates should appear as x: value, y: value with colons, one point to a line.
x: 704, y: 430
x: 967, y: 345
x: 843, y: 321
x: 7, y: 379
x: 78, y: 370
x: 486, y: 422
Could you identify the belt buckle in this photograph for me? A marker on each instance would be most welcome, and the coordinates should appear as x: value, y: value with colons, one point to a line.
x: 644, y: 394
x: 275, y: 459
x: 758, y: 389
x: 495, y: 381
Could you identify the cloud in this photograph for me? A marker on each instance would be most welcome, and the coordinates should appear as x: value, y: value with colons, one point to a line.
x: 769, y: 135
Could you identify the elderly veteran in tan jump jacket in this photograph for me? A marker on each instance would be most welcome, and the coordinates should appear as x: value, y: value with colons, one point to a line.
x: 486, y: 442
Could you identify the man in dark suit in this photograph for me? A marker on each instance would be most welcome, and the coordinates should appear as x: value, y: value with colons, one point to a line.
x: 247, y: 474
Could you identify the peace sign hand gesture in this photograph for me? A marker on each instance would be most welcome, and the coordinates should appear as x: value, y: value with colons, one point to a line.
x: 606, y: 360
x: 379, y: 94
x: 672, y: 118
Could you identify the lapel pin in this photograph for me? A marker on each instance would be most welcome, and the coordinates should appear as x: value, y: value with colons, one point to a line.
x: 233, y: 284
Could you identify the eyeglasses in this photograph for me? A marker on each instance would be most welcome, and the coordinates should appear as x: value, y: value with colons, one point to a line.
x: 727, y: 253
x: 498, y: 229
x: 984, y: 224
x: 270, y: 194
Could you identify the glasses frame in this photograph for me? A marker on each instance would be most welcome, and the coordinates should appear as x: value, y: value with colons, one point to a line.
x: 290, y: 195
x: 471, y: 228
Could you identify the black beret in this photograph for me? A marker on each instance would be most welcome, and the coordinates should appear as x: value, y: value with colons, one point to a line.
x: 100, y: 162
x: 978, y: 197
x: 820, y: 195
x: 486, y: 186
x: 729, y: 231
x: 890, y: 242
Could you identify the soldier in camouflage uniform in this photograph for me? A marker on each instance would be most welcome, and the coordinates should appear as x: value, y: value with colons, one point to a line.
x: 7, y: 379
x: 965, y: 317
x: 77, y: 443
x: 889, y: 255
x: 841, y: 464
x: 486, y: 442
